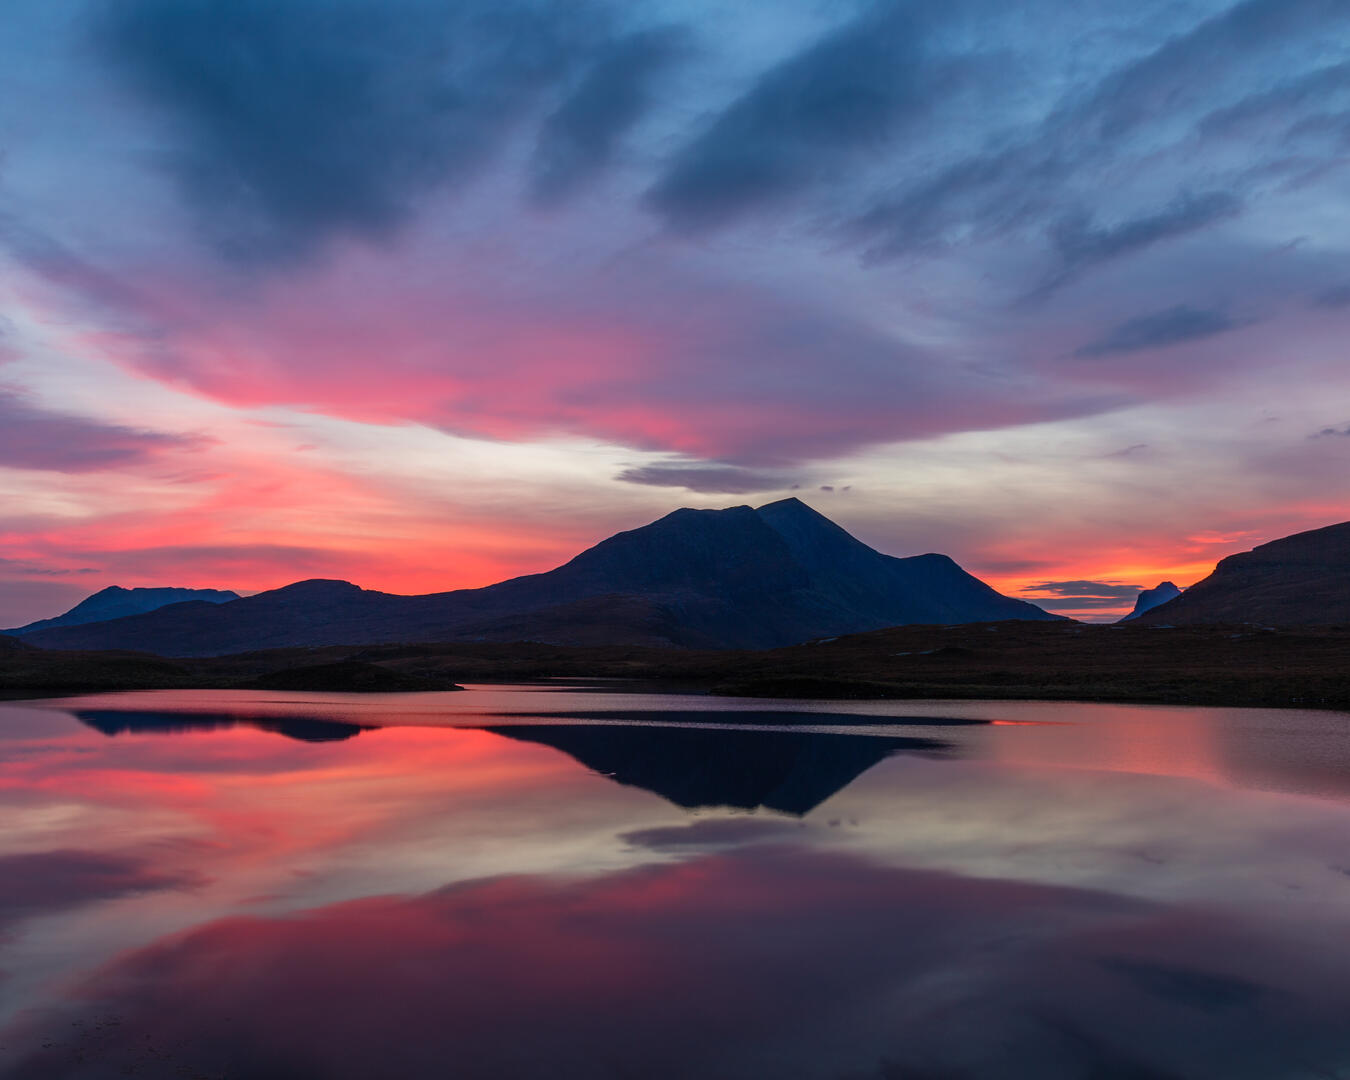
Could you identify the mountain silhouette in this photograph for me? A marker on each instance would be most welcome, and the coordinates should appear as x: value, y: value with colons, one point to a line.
x: 1299, y: 580
x: 1151, y: 598
x: 792, y: 772
x: 115, y: 602
x: 713, y: 579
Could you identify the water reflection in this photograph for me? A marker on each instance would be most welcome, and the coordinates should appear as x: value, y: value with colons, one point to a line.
x: 775, y: 962
x: 471, y: 890
x: 792, y: 772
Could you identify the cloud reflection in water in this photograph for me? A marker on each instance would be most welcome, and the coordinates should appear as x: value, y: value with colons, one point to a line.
x: 767, y: 961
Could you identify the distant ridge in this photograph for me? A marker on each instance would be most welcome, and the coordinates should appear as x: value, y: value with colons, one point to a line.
x: 1151, y: 598
x: 1299, y: 580
x: 115, y: 602
x: 715, y: 579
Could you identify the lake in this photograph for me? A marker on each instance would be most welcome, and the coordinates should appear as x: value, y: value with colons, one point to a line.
x: 579, y: 881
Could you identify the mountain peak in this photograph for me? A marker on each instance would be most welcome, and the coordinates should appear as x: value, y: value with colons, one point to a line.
x: 814, y: 539
x: 792, y: 508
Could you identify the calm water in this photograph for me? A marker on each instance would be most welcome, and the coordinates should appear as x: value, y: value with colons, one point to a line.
x: 582, y: 883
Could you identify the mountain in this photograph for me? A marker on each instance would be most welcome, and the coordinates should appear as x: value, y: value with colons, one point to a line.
x: 711, y: 579
x: 1151, y: 598
x: 1300, y: 580
x: 115, y: 602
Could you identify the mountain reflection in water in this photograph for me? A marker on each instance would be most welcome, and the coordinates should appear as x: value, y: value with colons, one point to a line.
x: 789, y: 771
x: 301, y: 728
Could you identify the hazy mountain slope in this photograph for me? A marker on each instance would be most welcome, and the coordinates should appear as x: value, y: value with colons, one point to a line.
x: 115, y: 602
x: 305, y: 613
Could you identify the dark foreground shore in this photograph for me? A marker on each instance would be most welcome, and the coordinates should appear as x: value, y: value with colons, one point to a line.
x: 1225, y: 665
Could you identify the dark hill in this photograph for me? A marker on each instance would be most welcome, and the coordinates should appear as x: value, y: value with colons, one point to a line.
x: 1302, y: 667
x: 1300, y: 580
x: 346, y: 676
x: 713, y: 579
x: 115, y: 602
x: 1151, y: 598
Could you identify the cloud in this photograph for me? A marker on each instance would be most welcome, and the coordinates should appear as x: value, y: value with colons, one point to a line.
x: 848, y: 91
x: 506, y: 337
x: 1337, y: 297
x: 1331, y: 432
x: 579, y: 137
x: 1015, y: 567
x: 1103, y: 589
x: 303, y: 120
x: 1084, y: 595
x: 27, y: 569
x: 278, y: 562
x: 1218, y: 537
x: 1081, y: 244
x: 639, y: 354
x: 1175, y: 326
x: 1290, y: 107
x: 33, y: 438
x: 54, y: 261
x: 1139, y: 128
x: 994, y: 194
x: 1217, y: 55
x: 707, y: 479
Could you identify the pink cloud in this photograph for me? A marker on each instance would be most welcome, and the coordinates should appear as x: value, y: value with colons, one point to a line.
x: 637, y: 356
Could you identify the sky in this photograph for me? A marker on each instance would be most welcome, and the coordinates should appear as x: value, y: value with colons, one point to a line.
x: 425, y: 294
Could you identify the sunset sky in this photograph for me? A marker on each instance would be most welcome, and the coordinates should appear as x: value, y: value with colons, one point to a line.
x: 428, y: 293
